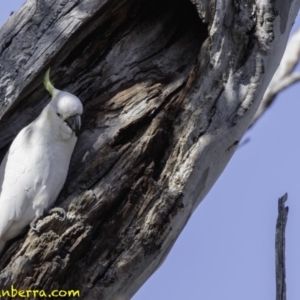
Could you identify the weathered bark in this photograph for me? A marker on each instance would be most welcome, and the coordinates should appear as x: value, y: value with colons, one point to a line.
x: 169, y: 87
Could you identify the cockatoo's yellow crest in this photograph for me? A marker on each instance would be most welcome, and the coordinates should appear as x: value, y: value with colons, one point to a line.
x: 49, y: 86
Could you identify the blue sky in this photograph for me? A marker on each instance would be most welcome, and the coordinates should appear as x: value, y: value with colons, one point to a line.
x: 226, y: 250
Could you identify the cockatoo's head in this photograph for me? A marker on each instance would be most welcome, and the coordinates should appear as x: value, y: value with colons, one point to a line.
x: 67, y: 108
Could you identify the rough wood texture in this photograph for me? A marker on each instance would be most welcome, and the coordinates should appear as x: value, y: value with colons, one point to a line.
x: 168, y: 87
x: 280, y: 248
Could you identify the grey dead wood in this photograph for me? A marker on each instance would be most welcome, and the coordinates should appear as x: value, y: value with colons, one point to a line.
x: 169, y: 88
x: 284, y: 77
x: 280, y: 248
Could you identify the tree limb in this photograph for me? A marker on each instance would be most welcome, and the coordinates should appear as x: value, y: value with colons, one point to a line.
x: 280, y: 248
x: 284, y: 76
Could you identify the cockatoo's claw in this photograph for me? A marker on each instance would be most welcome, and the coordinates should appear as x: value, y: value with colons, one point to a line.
x: 60, y: 211
x: 34, y: 228
x: 64, y: 217
x: 34, y: 223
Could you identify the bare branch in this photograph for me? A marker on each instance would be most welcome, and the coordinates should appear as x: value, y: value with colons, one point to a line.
x: 280, y: 248
x: 283, y: 77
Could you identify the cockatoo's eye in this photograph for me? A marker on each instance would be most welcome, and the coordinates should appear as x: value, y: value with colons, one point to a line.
x: 58, y: 114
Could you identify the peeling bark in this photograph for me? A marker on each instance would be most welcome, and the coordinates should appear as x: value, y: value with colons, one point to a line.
x: 169, y: 88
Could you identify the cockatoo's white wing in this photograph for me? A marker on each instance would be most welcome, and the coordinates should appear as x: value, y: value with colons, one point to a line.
x: 4, y: 222
x: 22, y: 173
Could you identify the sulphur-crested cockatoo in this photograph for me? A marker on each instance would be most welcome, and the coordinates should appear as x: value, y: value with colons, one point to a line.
x: 35, y: 167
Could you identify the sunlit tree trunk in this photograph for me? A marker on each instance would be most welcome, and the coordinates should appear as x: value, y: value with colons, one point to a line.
x: 168, y: 87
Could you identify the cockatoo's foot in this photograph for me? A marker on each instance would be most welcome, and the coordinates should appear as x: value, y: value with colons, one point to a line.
x: 60, y: 212
x: 34, y: 223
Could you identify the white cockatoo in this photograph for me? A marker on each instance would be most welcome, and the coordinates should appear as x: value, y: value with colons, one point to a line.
x: 35, y: 167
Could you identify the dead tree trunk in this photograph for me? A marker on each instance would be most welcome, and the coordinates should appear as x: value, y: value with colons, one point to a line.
x: 169, y: 87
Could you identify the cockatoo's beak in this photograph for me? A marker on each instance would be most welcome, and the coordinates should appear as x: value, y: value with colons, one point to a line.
x: 74, y: 123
